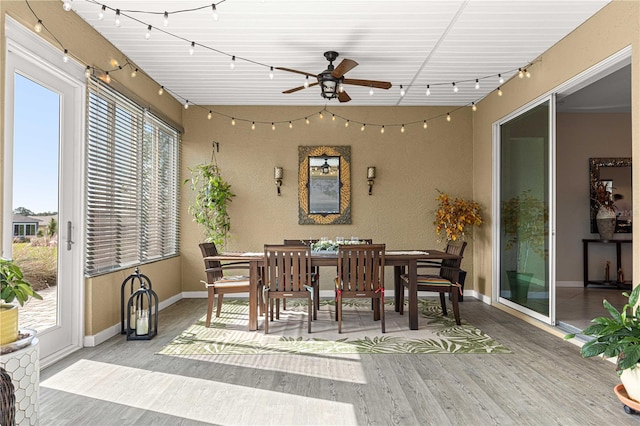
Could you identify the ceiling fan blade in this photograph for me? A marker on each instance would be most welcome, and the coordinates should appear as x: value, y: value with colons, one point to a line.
x: 344, y: 66
x: 368, y: 83
x: 343, y: 97
x: 295, y: 89
x: 296, y: 71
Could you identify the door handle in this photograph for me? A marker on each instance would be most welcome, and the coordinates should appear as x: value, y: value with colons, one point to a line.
x: 69, y: 240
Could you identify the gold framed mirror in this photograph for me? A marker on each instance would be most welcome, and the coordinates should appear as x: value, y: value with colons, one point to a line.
x: 324, y: 185
x: 616, y: 172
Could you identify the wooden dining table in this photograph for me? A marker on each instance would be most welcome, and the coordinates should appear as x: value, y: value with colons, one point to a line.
x: 403, y: 261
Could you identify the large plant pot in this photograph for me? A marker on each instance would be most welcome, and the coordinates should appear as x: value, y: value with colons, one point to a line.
x: 630, y: 378
x: 8, y: 324
x: 519, y: 286
x: 606, y: 222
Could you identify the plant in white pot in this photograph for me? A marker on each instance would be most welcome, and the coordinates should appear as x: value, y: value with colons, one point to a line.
x: 13, y: 287
x: 618, y: 336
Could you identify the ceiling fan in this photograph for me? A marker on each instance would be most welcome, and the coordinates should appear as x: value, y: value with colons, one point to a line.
x: 332, y: 79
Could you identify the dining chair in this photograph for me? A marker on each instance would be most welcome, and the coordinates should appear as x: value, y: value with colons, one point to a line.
x: 315, y: 277
x: 445, y: 281
x: 361, y: 276
x: 287, y: 275
x: 218, y: 284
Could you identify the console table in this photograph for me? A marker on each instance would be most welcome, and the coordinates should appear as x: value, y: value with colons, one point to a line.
x: 614, y: 272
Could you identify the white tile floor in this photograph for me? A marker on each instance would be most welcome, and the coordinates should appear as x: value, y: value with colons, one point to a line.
x: 576, y: 306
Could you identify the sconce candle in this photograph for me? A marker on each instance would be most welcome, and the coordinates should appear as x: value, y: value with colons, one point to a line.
x: 278, y: 174
x: 371, y: 172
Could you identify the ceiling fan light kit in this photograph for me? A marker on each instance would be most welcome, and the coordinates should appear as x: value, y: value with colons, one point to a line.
x: 332, y: 79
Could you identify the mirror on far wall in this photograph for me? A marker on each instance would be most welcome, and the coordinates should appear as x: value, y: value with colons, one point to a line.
x: 324, y: 187
x: 615, y: 173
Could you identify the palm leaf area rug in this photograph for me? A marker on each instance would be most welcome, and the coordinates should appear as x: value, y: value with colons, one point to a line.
x: 228, y: 334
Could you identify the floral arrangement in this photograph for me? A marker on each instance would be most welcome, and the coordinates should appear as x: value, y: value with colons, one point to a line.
x: 328, y: 245
x: 601, y: 196
x: 453, y: 215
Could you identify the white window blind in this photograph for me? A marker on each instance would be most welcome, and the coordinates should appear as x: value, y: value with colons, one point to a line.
x: 132, y: 183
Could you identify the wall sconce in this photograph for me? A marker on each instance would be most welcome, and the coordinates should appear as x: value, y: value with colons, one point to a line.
x: 371, y: 175
x: 278, y: 173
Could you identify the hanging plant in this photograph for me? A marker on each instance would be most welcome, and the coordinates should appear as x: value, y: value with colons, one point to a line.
x: 213, y: 195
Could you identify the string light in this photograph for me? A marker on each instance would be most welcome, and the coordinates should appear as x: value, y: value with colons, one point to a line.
x: 499, y: 91
x: 346, y: 123
x: 402, y: 92
x: 107, y: 77
x: 500, y: 79
x: 402, y: 129
x: 147, y: 35
x: 306, y: 119
x: 233, y: 121
x: 273, y: 126
x: 474, y: 108
x: 425, y: 125
x: 455, y: 88
x: 321, y: 115
x: 232, y: 64
x: 166, y: 20
x: 333, y: 117
x: 448, y: 117
x: 66, y: 5
x: 477, y: 84
x: 527, y: 73
x: 371, y: 90
x: 520, y: 73
x: 290, y: 125
x: 117, y: 19
x: 306, y: 82
x: 362, y: 128
x: 65, y: 56
x: 101, y: 13
x: 186, y: 104
x: 253, y: 125
x: 214, y: 12
x: 209, y: 115
x: 192, y: 48
x: 271, y: 73
x: 428, y: 90
x: 161, y: 90
x: 134, y: 73
x: 38, y: 26
x: 382, y: 129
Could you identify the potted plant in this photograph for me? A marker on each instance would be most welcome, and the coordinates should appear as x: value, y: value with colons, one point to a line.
x: 524, y: 220
x: 618, y: 336
x: 12, y: 287
x: 454, y: 215
x: 212, y: 197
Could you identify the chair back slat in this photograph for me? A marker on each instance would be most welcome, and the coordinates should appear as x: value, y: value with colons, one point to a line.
x: 210, y: 249
x: 451, y: 267
x: 361, y: 266
x: 288, y: 267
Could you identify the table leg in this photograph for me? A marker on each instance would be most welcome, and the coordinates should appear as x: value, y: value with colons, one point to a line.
x: 413, y: 294
x: 253, y: 296
x: 397, y: 286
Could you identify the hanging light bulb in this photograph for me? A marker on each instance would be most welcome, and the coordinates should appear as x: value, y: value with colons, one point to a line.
x: 253, y: 125
x: 192, y: 48
x: 38, y: 26
x: 520, y: 73
x: 273, y: 126
x: 107, y: 77
x: 290, y: 125
x: 321, y: 115
x: 161, y: 90
x: 65, y: 56
x: 117, y: 19
x: 448, y: 117
x: 271, y: 73
x: 500, y: 79
x: 474, y: 108
x: 333, y: 117
x: 382, y: 129
x: 402, y: 129
x: 527, y: 73
x: 455, y: 88
x: 214, y: 12
x: 101, y: 13
x: 232, y: 64
x: 477, y: 84
x: 306, y: 82
x: 147, y: 35
x: 362, y: 128
x: 499, y: 91
x: 209, y: 116
x: 402, y: 92
x: 166, y: 20
x: 134, y: 73
x: 425, y: 125
x: 66, y: 5
x: 306, y: 120
x: 233, y: 121
x: 346, y: 123
x: 186, y: 104
x: 428, y: 90
x: 87, y: 71
x: 371, y: 90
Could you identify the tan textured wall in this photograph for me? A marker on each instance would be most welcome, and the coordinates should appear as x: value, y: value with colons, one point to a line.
x: 613, y: 28
x: 102, y: 298
x: 409, y: 167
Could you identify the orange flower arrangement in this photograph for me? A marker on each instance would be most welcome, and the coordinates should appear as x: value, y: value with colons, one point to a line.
x: 453, y: 215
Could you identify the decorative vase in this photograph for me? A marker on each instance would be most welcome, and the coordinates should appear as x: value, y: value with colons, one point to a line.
x: 630, y: 378
x: 606, y: 221
x: 8, y: 323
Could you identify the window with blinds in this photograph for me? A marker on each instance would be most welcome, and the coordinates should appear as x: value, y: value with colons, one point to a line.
x: 132, y: 183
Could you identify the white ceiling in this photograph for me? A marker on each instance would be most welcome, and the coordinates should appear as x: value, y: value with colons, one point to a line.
x: 409, y: 42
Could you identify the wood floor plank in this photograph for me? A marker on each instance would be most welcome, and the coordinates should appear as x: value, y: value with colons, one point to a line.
x: 544, y: 381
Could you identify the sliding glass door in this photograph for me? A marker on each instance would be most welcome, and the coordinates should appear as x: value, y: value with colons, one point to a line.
x: 524, y: 187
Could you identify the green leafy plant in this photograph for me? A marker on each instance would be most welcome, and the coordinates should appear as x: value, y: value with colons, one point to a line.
x: 525, y: 219
x: 13, y: 285
x: 212, y: 197
x: 617, y: 336
x: 453, y: 215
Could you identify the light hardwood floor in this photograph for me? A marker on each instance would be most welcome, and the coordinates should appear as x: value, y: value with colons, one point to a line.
x: 543, y: 382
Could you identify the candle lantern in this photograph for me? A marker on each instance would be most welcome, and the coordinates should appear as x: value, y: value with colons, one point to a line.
x: 139, y: 317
